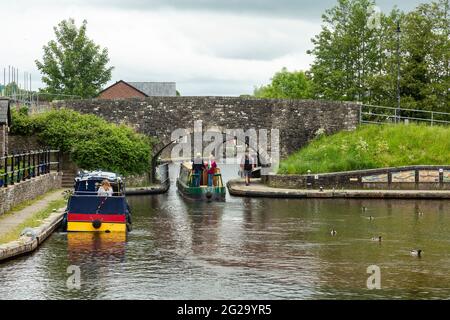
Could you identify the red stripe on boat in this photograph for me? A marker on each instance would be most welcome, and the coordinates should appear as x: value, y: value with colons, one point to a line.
x: 92, y: 217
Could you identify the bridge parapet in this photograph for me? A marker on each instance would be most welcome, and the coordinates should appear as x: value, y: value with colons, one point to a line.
x: 298, y: 121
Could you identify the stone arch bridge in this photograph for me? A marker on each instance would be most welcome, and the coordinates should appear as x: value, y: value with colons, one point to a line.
x: 298, y: 121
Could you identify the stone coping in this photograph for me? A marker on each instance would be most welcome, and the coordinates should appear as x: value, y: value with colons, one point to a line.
x: 258, y: 190
x: 29, y: 243
x: 368, y: 171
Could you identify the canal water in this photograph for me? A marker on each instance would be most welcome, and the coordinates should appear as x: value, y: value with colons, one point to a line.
x: 247, y: 249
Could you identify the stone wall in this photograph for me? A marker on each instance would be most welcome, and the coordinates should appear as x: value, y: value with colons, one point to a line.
x: 3, y: 140
x: 26, y: 190
x: 18, y: 144
x: 297, y: 120
x: 404, y: 178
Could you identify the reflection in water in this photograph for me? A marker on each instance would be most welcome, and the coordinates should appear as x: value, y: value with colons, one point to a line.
x: 96, y: 246
x: 247, y: 249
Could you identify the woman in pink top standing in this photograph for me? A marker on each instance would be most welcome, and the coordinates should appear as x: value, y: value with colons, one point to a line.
x: 212, y: 165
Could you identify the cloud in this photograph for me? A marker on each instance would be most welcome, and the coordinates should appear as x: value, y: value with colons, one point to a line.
x: 294, y: 9
x: 207, y: 47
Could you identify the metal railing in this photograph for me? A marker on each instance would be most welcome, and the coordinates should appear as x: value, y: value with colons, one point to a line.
x: 18, y: 167
x: 370, y: 114
x: 38, y: 102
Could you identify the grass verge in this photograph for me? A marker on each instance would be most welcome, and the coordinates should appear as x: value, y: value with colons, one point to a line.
x: 35, y: 220
x: 371, y: 147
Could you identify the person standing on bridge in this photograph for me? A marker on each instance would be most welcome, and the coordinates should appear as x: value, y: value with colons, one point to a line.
x: 198, y: 167
x: 247, y: 165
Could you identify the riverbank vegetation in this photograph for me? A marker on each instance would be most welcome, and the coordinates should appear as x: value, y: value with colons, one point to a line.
x: 92, y: 142
x: 370, y: 147
x: 356, y: 58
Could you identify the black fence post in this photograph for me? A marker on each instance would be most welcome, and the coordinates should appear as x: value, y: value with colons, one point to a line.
x: 24, y: 165
x: 38, y: 165
x: 34, y: 164
x: 18, y: 166
x: 48, y: 160
x: 29, y: 165
x: 44, y: 162
x: 12, y: 169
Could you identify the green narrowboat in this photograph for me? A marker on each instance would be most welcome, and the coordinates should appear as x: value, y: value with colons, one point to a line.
x: 203, y: 192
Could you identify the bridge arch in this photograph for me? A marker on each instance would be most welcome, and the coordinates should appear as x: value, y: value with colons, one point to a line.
x: 226, y: 138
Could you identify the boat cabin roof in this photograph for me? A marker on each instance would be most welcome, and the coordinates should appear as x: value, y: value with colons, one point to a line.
x: 98, y: 176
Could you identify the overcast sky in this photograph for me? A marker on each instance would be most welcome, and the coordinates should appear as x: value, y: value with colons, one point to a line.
x: 208, y: 47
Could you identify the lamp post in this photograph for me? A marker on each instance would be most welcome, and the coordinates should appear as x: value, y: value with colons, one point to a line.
x: 397, y: 111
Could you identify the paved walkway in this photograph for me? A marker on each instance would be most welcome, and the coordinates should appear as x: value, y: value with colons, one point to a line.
x: 11, y: 221
x: 257, y: 189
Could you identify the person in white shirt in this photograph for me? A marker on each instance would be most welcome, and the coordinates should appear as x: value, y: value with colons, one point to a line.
x: 105, y: 189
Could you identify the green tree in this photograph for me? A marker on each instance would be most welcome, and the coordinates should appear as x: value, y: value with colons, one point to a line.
x: 355, y: 60
x: 286, y: 85
x: 346, y: 52
x: 426, y: 57
x: 74, y: 64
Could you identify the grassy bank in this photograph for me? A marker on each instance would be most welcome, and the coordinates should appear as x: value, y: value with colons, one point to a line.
x: 33, y: 221
x: 370, y: 147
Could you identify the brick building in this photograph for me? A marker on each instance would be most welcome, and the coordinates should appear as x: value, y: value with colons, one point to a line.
x: 5, y: 121
x: 125, y: 90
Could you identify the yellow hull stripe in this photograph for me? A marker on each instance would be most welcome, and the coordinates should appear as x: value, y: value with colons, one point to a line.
x: 87, y: 226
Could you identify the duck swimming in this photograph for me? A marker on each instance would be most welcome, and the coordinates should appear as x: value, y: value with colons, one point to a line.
x: 416, y: 253
x: 377, y: 239
x: 333, y: 233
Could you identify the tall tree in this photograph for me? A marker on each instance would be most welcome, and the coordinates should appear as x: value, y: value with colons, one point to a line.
x: 426, y: 57
x: 346, y: 52
x: 357, y: 61
x: 74, y: 64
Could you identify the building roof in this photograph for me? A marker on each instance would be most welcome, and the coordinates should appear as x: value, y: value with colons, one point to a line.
x: 5, y: 111
x: 150, y: 89
x: 156, y: 89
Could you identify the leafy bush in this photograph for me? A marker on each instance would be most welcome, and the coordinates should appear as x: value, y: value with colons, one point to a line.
x: 370, y: 147
x: 92, y: 142
x: 22, y: 124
